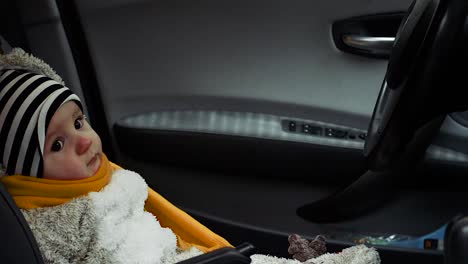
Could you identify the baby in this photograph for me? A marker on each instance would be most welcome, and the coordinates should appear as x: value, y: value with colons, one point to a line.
x: 81, y: 207
x: 72, y: 197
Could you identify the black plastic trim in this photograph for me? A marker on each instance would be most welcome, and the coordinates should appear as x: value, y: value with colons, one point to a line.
x: 86, y: 72
x: 226, y: 255
x: 233, y: 154
x: 276, y: 243
x: 269, y: 157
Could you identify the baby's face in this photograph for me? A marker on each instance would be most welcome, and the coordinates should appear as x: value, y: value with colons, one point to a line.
x: 72, y: 148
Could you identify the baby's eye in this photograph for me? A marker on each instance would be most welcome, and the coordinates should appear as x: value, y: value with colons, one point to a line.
x: 57, y: 145
x: 79, y: 122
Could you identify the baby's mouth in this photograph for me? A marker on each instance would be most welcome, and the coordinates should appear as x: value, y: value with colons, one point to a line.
x: 93, y: 160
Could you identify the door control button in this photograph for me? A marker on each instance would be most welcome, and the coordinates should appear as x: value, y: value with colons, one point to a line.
x: 312, y: 130
x: 292, y: 126
x: 337, y: 133
x: 315, y: 130
x: 363, y: 136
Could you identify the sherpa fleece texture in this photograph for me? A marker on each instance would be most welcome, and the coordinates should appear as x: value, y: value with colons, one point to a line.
x: 19, y: 59
x: 109, y: 226
x: 353, y: 255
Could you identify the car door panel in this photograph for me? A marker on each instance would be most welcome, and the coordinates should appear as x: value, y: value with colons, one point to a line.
x: 247, y: 51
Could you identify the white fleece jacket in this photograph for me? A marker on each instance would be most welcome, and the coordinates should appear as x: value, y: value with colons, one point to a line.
x: 111, y: 226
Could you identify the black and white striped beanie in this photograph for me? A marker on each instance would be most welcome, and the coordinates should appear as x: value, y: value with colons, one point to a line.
x: 28, y: 99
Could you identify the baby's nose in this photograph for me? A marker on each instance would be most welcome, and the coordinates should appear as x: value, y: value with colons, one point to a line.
x: 83, y: 145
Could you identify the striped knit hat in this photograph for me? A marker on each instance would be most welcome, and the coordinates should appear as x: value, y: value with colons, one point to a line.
x: 30, y: 94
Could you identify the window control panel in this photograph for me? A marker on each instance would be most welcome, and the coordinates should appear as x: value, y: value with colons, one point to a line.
x: 294, y: 126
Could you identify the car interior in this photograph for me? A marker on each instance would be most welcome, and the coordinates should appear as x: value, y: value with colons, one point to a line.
x: 262, y: 119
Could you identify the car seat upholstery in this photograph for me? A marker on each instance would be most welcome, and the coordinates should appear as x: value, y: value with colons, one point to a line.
x: 17, y: 243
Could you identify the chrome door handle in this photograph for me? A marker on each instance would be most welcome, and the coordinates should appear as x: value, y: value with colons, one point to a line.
x: 372, y: 45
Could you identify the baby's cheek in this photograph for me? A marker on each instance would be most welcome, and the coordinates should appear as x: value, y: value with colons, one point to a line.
x: 81, y: 170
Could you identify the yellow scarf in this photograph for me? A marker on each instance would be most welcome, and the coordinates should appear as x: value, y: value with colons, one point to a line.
x: 30, y: 192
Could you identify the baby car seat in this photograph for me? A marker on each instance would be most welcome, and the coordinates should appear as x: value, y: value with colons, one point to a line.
x: 17, y: 243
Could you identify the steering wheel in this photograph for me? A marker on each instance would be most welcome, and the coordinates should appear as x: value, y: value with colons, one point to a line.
x: 419, y: 63
x: 418, y: 90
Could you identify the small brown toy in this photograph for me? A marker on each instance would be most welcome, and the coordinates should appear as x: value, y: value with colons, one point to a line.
x: 302, y: 249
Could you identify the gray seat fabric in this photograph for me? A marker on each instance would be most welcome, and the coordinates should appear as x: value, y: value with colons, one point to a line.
x: 17, y: 243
